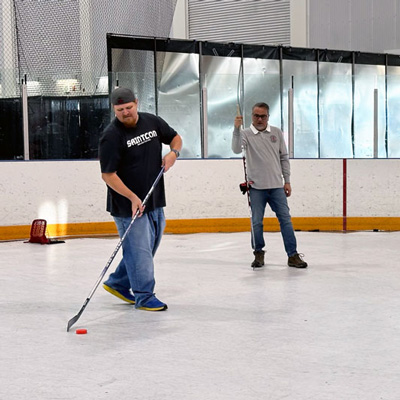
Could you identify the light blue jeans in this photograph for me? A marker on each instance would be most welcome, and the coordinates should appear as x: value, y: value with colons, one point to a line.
x: 136, y: 269
x: 277, y: 200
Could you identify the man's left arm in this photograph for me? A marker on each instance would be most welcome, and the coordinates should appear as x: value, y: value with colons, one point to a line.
x: 169, y: 159
x: 286, y: 174
x: 285, y: 166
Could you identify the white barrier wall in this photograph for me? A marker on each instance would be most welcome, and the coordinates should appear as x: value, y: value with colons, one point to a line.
x: 374, y: 188
x: 73, y: 192
x: 210, y: 189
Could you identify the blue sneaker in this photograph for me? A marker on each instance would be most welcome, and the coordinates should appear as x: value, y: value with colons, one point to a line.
x: 153, y: 305
x: 124, y: 295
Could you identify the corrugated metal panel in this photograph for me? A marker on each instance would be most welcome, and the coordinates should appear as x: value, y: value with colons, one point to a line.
x: 396, y: 16
x: 244, y: 21
x: 356, y: 25
x: 385, y: 21
x: 361, y: 25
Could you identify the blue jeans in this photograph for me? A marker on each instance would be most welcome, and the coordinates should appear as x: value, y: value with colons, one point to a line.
x: 277, y: 200
x: 136, y: 269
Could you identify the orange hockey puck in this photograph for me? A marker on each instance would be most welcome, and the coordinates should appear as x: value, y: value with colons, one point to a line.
x: 81, y: 331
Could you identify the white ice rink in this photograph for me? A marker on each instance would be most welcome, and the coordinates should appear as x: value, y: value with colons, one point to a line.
x: 330, y: 332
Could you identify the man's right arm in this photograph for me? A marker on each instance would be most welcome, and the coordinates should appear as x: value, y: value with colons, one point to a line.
x: 115, y: 183
x: 236, y: 136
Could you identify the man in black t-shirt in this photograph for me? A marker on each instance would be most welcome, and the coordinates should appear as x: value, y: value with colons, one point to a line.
x: 130, y: 153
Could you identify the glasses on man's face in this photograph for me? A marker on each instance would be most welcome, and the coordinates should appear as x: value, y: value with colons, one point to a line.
x: 258, y: 116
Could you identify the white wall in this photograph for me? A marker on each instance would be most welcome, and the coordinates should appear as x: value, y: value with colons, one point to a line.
x: 210, y: 189
x: 374, y: 188
x: 179, y: 29
x: 73, y: 192
x: 58, y: 191
x: 299, y: 23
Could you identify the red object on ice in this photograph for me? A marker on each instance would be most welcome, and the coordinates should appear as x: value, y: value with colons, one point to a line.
x: 38, y: 233
x: 81, y: 331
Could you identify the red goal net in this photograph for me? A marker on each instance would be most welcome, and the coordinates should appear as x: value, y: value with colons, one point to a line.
x: 38, y: 233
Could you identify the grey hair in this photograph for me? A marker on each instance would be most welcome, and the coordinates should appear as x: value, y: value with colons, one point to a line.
x: 261, y: 105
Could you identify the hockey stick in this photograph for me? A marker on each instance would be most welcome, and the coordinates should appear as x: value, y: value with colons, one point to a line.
x: 247, y: 183
x: 77, y: 316
x: 239, y: 112
x: 248, y: 194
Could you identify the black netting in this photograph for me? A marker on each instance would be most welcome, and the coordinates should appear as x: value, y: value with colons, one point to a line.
x: 59, y: 49
x: 62, y: 44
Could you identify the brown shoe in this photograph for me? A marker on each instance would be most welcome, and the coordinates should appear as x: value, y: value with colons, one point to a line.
x: 259, y: 259
x: 297, y: 261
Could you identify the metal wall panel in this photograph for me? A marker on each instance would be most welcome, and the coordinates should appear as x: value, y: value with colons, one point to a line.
x: 361, y: 25
x: 245, y: 21
x: 356, y: 25
x: 328, y: 25
x: 397, y: 26
x: 385, y: 22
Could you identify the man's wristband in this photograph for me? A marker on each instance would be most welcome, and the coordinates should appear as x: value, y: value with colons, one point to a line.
x: 176, y: 152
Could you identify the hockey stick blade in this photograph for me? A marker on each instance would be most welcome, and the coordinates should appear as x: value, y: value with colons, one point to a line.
x: 74, y: 319
x: 77, y: 316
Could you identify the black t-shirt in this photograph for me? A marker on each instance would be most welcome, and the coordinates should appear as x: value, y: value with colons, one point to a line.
x: 135, y: 155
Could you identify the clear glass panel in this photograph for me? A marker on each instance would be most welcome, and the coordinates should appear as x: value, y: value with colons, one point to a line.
x: 223, y: 83
x: 366, y: 79
x: 262, y: 84
x: 179, y: 99
x: 65, y: 122
x: 142, y: 84
x: 11, y: 136
x: 134, y: 69
x: 222, y: 86
x: 335, y: 110
x: 66, y: 128
x: 393, y: 114
x: 303, y: 76
x: 177, y: 95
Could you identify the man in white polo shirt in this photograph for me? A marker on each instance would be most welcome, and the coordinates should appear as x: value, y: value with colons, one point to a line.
x: 268, y: 170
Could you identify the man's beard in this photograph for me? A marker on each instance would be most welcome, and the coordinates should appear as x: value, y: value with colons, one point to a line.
x: 129, y: 122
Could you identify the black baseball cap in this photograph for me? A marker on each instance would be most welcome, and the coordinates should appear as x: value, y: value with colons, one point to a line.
x: 122, y: 96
